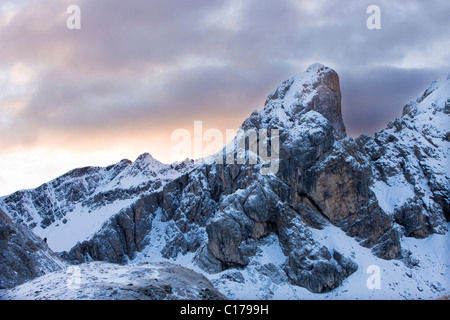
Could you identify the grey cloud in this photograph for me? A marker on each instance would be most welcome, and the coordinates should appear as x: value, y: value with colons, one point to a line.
x: 375, y: 96
x: 95, y: 78
x: 205, y: 92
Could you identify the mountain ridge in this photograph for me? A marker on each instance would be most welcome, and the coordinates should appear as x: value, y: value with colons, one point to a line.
x: 372, y: 194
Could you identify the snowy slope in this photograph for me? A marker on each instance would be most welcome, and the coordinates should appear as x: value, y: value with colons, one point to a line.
x: 315, y: 89
x: 413, y: 171
x: 337, y: 209
x: 381, y: 200
x: 421, y: 274
x: 23, y: 255
x: 427, y: 280
x: 409, y: 167
x: 74, y: 206
x: 103, y: 281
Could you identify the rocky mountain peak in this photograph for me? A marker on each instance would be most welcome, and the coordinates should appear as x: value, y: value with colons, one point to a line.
x: 316, y: 89
x: 146, y: 162
x: 435, y: 98
x: 319, y: 69
x: 146, y: 157
x: 334, y: 208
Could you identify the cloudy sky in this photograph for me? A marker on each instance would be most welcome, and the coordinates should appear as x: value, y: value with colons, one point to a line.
x: 137, y: 70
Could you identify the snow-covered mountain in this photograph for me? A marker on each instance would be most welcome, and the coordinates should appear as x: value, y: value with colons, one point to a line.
x: 75, y: 205
x: 336, y: 209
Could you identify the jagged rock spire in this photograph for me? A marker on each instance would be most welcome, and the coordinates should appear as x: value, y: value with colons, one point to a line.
x: 315, y: 89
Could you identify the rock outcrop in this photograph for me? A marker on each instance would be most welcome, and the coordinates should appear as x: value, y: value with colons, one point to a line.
x: 23, y: 255
x: 376, y: 190
x: 316, y: 89
x: 220, y: 212
x: 87, y: 196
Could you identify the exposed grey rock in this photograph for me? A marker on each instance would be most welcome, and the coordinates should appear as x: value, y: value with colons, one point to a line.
x: 388, y: 245
x: 319, y: 271
x: 276, y: 274
x: 223, y: 212
x: 317, y: 89
x: 322, y: 180
x: 23, y: 255
x: 120, y: 237
x: 447, y: 106
x: 90, y: 188
x: 207, y: 261
x: 310, y: 265
x: 413, y: 219
x: 234, y: 276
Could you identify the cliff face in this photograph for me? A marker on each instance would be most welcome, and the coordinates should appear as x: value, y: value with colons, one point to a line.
x: 376, y: 191
x: 316, y: 89
x: 23, y: 255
